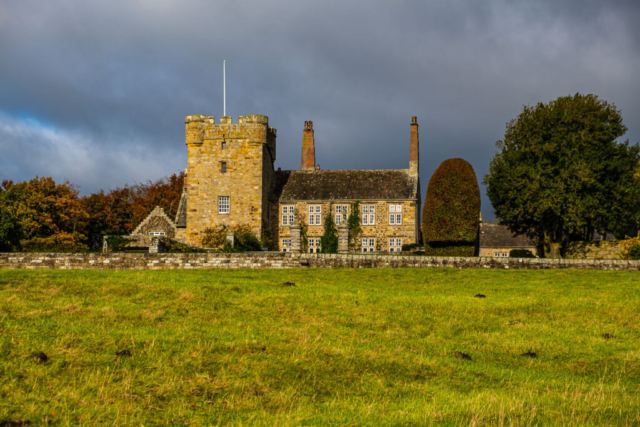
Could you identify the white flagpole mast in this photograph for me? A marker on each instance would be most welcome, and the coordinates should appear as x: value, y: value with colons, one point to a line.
x: 224, y: 88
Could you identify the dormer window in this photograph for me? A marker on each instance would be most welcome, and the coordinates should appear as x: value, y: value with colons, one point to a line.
x: 223, y: 167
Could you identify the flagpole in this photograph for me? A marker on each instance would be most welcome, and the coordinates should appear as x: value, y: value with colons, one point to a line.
x: 224, y: 88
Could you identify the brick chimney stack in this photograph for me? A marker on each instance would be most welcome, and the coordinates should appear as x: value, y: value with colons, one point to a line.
x: 414, y: 151
x: 308, y: 148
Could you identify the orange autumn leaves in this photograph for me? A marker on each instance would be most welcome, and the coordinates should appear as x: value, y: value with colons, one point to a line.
x: 40, y: 215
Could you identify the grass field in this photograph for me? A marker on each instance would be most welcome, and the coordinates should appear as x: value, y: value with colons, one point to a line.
x: 341, y: 347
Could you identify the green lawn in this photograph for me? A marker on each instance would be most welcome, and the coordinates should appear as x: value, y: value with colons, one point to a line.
x: 341, y: 347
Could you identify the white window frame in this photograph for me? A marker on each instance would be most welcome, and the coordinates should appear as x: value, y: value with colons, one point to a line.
x: 395, y: 245
x: 501, y: 254
x: 368, y: 244
x: 156, y: 233
x: 315, y: 214
x: 395, y: 214
x: 287, y: 215
x: 224, y: 204
x: 368, y: 215
x: 341, y: 213
x: 286, y: 245
x: 313, y: 245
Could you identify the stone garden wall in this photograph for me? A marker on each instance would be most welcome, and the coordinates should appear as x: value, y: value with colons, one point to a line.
x: 593, y: 250
x: 165, y: 261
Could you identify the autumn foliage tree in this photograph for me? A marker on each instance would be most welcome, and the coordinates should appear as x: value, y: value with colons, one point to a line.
x: 145, y: 197
x: 109, y: 214
x: 10, y: 227
x: 451, y: 213
x: 40, y: 215
x: 560, y: 175
x: 120, y: 210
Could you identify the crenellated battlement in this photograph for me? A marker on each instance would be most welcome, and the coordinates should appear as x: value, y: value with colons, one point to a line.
x: 254, y: 128
x: 227, y: 120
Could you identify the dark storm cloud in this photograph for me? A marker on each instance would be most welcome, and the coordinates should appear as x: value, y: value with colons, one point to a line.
x: 96, y: 92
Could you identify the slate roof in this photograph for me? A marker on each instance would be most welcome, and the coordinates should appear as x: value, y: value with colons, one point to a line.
x: 384, y: 184
x: 499, y: 236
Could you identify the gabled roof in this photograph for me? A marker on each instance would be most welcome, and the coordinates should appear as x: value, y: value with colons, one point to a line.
x: 384, y: 184
x: 156, y: 212
x: 499, y: 236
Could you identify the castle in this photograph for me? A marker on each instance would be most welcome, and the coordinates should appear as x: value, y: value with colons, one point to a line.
x: 231, y: 180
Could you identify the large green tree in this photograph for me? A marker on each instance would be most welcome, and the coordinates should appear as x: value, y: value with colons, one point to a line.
x: 560, y: 174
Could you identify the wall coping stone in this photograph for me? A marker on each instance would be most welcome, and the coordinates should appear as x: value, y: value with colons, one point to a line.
x: 277, y: 260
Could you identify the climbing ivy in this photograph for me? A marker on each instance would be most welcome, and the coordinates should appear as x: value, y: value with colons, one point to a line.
x: 329, y: 240
x: 353, y: 222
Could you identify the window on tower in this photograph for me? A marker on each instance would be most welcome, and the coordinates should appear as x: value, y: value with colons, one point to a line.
x: 223, y: 204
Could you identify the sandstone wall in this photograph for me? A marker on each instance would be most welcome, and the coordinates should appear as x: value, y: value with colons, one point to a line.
x: 289, y: 260
x: 155, y: 224
x: 246, y: 145
x: 593, y: 250
x: 490, y: 252
x: 382, y: 231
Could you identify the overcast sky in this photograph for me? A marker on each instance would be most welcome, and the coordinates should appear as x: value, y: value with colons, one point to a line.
x: 95, y: 92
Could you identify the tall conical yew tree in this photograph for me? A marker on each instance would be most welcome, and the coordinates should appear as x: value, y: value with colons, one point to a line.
x: 451, y: 213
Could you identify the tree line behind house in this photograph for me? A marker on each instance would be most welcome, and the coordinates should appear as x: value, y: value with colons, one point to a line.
x: 41, y: 215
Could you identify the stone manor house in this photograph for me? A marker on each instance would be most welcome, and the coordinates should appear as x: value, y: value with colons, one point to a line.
x: 231, y: 180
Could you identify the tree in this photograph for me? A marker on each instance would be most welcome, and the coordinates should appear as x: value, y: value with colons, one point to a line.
x: 451, y: 212
x: 165, y: 193
x: 48, y: 215
x: 109, y: 215
x: 559, y: 175
x: 121, y: 210
x: 10, y: 228
x: 329, y: 240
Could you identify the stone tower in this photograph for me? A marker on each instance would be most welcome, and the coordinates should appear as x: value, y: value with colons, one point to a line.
x: 230, y: 169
